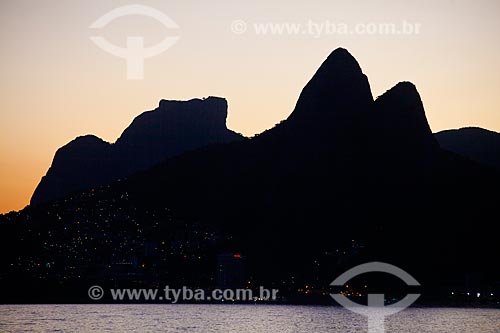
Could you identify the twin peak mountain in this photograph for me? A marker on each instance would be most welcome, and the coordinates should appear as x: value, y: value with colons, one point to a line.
x: 335, y: 113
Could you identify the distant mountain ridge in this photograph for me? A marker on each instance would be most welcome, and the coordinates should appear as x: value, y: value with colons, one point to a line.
x: 171, y: 129
x: 476, y: 143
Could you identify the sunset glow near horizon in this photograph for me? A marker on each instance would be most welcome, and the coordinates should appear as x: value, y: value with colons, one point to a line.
x: 56, y: 84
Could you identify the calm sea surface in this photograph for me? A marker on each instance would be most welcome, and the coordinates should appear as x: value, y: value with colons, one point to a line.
x: 234, y: 318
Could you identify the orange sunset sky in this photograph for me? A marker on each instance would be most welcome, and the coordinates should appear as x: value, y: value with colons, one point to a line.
x: 55, y: 84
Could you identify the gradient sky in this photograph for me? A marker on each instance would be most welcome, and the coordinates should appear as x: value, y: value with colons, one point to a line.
x: 55, y: 84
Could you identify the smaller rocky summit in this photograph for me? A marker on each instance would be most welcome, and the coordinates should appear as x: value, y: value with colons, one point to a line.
x: 400, y: 115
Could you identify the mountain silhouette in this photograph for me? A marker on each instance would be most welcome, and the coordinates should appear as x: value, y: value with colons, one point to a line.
x: 402, y: 119
x: 339, y: 87
x: 339, y: 167
x: 478, y: 144
x: 171, y: 129
x: 344, y: 180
